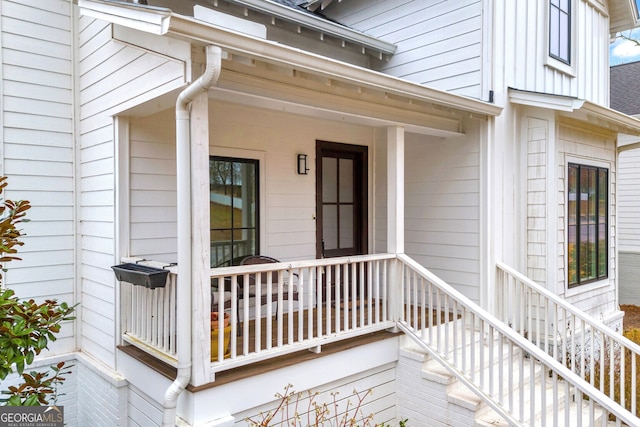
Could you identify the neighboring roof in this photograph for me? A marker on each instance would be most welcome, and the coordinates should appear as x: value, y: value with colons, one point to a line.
x: 625, y: 88
x: 578, y: 109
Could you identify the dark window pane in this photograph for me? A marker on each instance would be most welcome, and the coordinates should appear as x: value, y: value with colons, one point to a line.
x: 587, y: 253
x: 233, y: 192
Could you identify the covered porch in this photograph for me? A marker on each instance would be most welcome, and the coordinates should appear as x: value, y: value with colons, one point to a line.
x: 268, y: 115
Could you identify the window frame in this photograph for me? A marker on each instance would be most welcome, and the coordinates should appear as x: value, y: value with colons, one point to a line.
x: 579, y: 224
x: 257, y: 227
x: 566, y: 66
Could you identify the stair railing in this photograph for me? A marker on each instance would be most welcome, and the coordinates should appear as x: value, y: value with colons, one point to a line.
x: 438, y: 318
x: 590, y: 349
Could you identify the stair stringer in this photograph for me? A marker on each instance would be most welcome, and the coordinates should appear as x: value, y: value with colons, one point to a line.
x: 429, y: 402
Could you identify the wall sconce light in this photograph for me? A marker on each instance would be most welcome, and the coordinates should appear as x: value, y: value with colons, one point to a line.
x: 302, y: 164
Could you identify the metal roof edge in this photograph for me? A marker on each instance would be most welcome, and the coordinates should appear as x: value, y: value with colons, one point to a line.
x: 318, y: 24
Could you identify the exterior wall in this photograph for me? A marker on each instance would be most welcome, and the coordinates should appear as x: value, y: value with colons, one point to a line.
x: 112, y: 77
x: 442, y: 207
x: 289, y: 204
x: 580, y: 144
x: 629, y: 226
x: 525, y: 53
x: 537, y: 181
x: 37, y: 152
x: 101, y: 395
x: 442, y: 49
x: 152, y: 194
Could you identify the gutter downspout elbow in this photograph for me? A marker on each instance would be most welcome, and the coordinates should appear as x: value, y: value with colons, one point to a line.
x: 183, y: 173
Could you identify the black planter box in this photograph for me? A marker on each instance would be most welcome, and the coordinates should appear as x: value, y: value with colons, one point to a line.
x: 141, y: 275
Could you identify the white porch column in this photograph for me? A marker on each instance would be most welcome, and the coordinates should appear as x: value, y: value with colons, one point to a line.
x: 395, y: 215
x: 395, y: 189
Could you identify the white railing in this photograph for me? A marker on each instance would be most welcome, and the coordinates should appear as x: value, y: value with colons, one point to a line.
x: 280, y: 308
x: 604, y: 358
x: 285, y: 307
x: 149, y: 315
x: 516, y: 379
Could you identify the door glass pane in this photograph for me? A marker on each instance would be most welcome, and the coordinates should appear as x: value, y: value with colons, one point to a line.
x: 346, y: 226
x: 233, y: 193
x: 330, y: 226
x: 329, y: 180
x: 346, y: 181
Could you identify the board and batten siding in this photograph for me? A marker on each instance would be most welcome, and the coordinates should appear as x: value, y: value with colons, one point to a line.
x: 526, y: 53
x: 38, y: 147
x: 629, y: 226
x: 442, y: 208
x: 579, y: 144
x: 439, y: 43
x: 112, y: 77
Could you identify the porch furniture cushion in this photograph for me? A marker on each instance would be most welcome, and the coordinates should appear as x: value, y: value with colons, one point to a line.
x: 264, y: 296
x: 215, y: 296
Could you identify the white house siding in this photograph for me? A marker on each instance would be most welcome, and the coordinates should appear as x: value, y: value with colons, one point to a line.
x: 584, y: 145
x: 629, y: 227
x: 526, y: 52
x: 537, y: 182
x: 439, y: 43
x: 112, y: 76
x: 37, y: 149
x: 152, y: 183
x: 442, y: 203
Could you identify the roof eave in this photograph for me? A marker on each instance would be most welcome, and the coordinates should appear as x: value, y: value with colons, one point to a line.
x: 318, y: 24
x: 164, y: 22
x: 579, y: 109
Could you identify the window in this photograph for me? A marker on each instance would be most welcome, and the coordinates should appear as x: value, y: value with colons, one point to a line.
x: 560, y: 30
x: 588, y: 224
x: 233, y: 188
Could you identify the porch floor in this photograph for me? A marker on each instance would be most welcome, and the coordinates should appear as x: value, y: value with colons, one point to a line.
x: 253, y: 369
x: 234, y: 374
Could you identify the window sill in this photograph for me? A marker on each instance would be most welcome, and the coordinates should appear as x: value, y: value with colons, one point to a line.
x: 579, y: 289
x: 560, y: 66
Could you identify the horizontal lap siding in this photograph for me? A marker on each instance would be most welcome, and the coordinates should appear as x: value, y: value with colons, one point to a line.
x: 153, y: 187
x: 442, y: 202
x: 439, y: 44
x: 37, y: 149
x: 629, y: 226
x: 112, y: 76
x: 629, y: 201
x: 289, y: 198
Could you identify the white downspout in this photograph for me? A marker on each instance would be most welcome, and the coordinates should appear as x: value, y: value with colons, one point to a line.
x: 183, y: 162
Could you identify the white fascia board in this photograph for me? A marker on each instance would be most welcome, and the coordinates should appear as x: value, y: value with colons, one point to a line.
x: 301, y: 60
x: 318, y: 24
x: 545, y: 100
x: 202, y: 33
x: 149, y: 19
x: 579, y: 109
